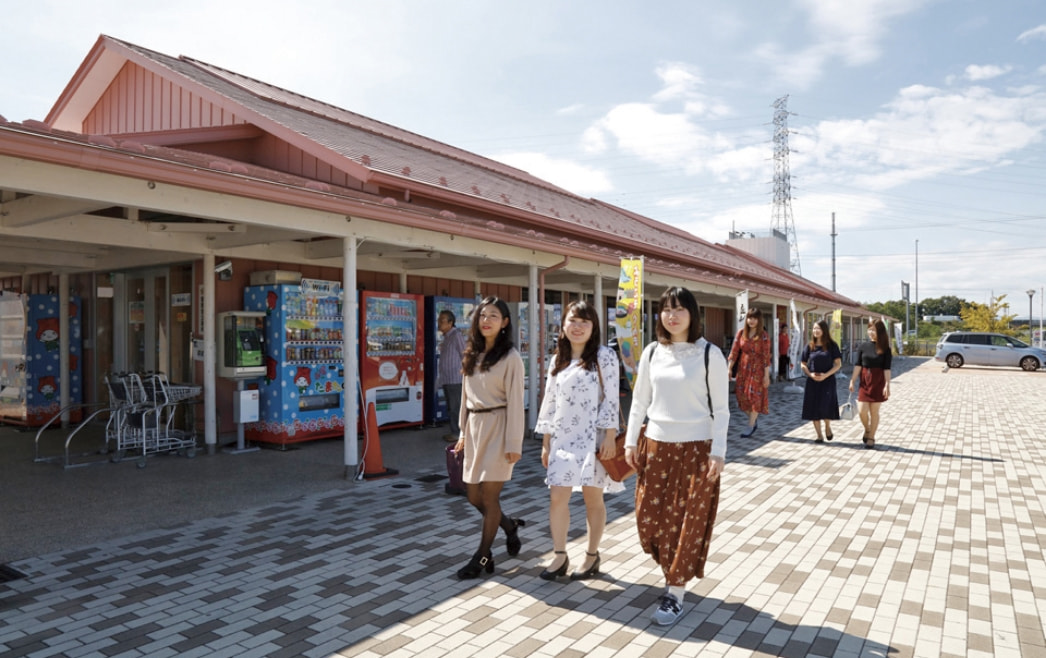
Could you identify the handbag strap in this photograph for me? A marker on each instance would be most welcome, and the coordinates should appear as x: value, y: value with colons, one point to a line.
x: 708, y: 389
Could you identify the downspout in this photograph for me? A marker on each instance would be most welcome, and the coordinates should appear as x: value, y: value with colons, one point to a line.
x: 541, y: 314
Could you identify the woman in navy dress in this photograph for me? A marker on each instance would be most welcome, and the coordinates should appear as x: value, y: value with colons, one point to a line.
x: 820, y: 361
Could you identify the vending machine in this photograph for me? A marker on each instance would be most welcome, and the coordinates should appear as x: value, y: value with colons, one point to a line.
x: 392, y: 365
x: 300, y: 394
x: 435, y: 405
x: 550, y: 322
x: 30, y: 372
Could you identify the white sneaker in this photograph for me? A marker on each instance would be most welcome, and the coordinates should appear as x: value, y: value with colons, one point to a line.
x: 668, y: 611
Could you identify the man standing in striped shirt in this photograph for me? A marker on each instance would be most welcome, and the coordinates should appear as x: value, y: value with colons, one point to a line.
x: 448, y: 374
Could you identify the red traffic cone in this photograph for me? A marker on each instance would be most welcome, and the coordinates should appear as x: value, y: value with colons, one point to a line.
x: 373, y: 464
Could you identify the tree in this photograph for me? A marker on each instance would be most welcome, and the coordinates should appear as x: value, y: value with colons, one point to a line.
x: 947, y: 305
x: 893, y: 309
x: 991, y: 317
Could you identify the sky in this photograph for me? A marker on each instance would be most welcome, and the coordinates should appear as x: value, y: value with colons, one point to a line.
x: 919, y: 123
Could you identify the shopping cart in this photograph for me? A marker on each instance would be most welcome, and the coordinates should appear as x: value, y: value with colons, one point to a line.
x: 143, y: 413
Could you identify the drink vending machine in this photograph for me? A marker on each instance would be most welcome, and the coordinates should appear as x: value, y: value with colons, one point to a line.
x: 392, y: 365
x: 551, y: 323
x: 435, y: 405
x: 300, y: 393
x: 30, y: 372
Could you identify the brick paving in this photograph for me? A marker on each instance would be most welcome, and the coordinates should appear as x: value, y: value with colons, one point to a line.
x: 931, y: 545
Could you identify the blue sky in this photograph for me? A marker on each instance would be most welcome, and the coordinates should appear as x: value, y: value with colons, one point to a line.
x: 913, y: 120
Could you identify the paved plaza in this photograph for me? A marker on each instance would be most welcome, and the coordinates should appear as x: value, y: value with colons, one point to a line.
x: 931, y: 545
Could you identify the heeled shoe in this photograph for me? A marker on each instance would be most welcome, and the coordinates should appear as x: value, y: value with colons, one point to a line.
x: 512, y: 541
x: 750, y: 432
x: 477, y: 564
x: 817, y: 440
x: 869, y: 443
x: 590, y: 572
x: 829, y: 437
x: 558, y: 573
x: 864, y: 440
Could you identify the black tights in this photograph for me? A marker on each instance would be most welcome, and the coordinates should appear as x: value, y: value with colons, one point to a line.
x: 486, y: 497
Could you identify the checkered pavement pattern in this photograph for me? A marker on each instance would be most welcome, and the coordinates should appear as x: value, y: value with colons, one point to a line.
x: 930, y: 545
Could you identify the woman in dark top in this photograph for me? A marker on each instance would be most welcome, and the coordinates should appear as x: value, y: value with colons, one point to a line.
x: 820, y: 361
x: 873, y: 371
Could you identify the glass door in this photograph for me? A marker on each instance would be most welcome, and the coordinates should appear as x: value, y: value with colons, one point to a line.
x: 147, y: 329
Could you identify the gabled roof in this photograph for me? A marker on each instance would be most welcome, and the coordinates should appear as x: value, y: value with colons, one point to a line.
x: 379, y: 154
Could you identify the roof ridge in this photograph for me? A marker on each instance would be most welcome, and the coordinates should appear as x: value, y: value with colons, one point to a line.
x: 402, y: 135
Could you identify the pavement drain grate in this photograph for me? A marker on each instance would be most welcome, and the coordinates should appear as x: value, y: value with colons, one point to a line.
x: 7, y: 574
x: 435, y: 477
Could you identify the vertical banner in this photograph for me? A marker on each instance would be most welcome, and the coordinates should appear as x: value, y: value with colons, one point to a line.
x: 629, y: 315
x: 741, y: 304
x: 795, y: 343
x: 837, y: 327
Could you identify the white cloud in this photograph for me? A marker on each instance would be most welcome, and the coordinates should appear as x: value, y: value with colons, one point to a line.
x: 986, y: 72
x: 922, y: 133
x: 678, y: 81
x: 579, y: 179
x: 1034, y: 33
x: 847, y: 30
x: 570, y: 109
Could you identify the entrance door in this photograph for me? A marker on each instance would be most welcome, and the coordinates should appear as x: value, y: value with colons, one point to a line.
x: 146, y: 324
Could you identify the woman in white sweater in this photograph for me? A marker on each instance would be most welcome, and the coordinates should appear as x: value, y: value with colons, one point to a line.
x: 681, y: 388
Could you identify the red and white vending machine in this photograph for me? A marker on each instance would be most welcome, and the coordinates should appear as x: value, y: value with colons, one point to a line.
x: 392, y: 359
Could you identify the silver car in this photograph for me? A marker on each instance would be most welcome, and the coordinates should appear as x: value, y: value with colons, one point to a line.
x: 957, y: 348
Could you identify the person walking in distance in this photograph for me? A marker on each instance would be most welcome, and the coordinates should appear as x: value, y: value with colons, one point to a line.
x: 492, y: 422
x: 783, y: 360
x: 751, y: 353
x: 820, y: 361
x: 682, y: 389
x: 872, y: 374
x: 579, y: 418
x: 448, y: 372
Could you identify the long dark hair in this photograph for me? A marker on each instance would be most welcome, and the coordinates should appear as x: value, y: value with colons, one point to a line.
x: 678, y: 296
x: 882, y: 339
x: 564, y: 348
x: 827, y: 342
x: 757, y: 332
x: 477, y: 344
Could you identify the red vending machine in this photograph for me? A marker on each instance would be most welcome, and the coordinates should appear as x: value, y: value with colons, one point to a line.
x: 392, y: 359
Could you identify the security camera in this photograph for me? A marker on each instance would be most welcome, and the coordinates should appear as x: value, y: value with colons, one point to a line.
x: 224, y: 270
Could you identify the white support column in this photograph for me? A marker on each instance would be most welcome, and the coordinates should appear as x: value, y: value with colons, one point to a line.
x: 534, y: 331
x: 210, y: 356
x: 597, y: 293
x: 350, y: 354
x: 63, y: 346
x: 403, y: 283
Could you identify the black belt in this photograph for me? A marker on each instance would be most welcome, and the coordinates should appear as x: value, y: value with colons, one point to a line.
x: 487, y: 410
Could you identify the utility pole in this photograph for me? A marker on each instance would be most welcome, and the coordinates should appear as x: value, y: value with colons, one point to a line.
x: 833, y: 252
x: 916, y: 288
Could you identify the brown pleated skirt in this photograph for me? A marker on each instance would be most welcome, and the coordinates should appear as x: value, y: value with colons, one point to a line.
x: 676, y: 506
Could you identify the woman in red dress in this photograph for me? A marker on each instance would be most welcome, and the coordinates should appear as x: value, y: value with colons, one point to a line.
x: 751, y: 351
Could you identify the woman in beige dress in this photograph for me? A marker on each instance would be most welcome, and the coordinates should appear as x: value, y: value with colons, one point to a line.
x: 492, y: 422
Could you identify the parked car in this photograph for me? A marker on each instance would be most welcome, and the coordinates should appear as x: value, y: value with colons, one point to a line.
x: 976, y: 348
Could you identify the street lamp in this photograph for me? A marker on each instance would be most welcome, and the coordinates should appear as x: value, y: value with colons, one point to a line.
x: 1031, y: 332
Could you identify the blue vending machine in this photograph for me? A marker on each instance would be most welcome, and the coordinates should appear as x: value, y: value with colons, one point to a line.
x: 300, y: 395
x: 435, y: 405
x: 30, y: 371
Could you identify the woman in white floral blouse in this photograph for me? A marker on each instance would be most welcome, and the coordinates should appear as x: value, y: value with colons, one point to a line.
x: 578, y: 418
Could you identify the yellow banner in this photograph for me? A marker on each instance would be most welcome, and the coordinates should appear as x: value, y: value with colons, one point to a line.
x: 837, y: 327
x: 629, y: 315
